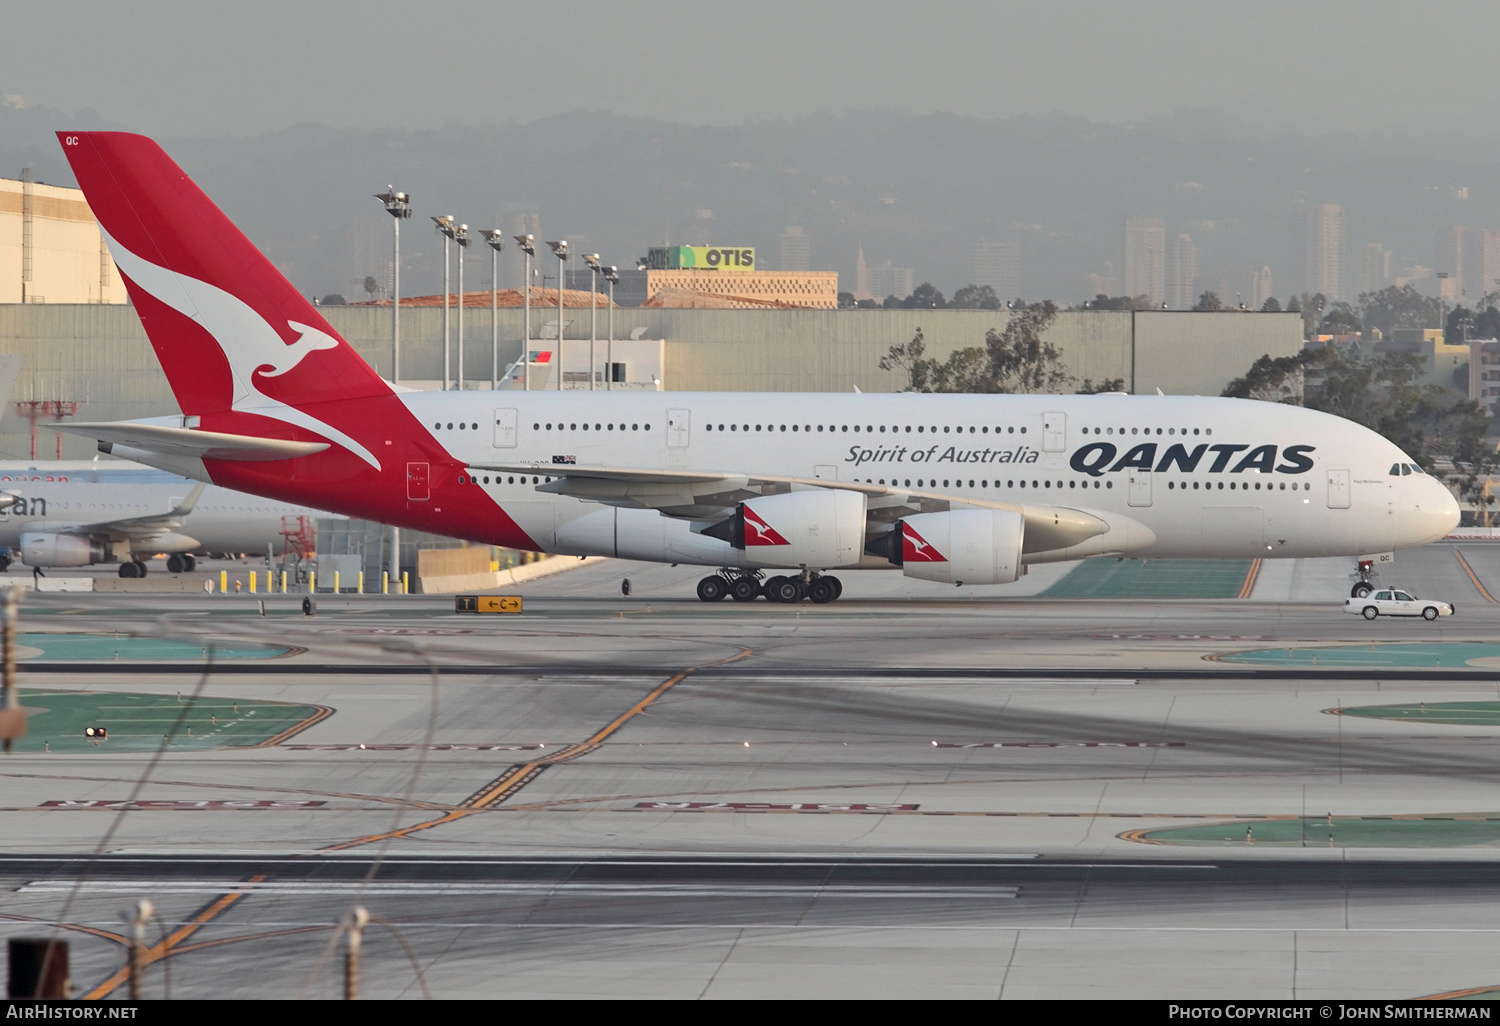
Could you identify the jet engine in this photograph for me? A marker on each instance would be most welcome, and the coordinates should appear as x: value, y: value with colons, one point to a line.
x: 962, y: 546
x: 39, y: 549
x: 819, y: 527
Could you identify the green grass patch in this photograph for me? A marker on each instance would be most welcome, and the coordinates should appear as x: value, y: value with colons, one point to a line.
x: 1352, y: 832
x: 1451, y: 654
x: 137, y: 722
x: 108, y: 647
x: 1464, y: 714
x: 1153, y: 578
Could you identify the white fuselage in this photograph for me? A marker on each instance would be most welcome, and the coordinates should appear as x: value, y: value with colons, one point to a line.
x: 69, y: 496
x: 1173, y: 475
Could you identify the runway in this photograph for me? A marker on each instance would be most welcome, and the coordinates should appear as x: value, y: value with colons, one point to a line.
x: 910, y: 792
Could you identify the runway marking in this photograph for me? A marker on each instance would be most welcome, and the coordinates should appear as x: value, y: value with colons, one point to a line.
x: 412, y: 748
x: 1060, y: 744
x: 1250, y: 576
x: 517, y: 777
x: 662, y: 889
x: 1473, y: 576
x: 163, y: 948
x: 318, y: 717
x: 158, y: 805
x: 772, y: 807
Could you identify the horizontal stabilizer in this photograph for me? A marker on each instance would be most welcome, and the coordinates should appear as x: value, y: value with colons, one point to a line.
x: 190, y: 442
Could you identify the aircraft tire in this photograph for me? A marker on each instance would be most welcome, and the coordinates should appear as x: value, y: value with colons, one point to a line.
x: 140, y: 568
x: 822, y: 590
x: 770, y: 586
x: 128, y: 570
x: 1370, y: 612
x: 175, y: 564
x: 838, y: 587
x: 744, y: 589
x: 1361, y: 590
x: 712, y: 588
x: 785, y: 589
x: 190, y: 561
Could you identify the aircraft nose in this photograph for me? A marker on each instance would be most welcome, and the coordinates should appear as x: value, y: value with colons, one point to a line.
x: 1432, y: 513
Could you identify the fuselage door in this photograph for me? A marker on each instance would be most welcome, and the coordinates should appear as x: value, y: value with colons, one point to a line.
x: 418, y: 482
x: 1338, y: 489
x: 679, y: 424
x: 1140, y: 487
x: 505, y: 429
x: 1055, y: 435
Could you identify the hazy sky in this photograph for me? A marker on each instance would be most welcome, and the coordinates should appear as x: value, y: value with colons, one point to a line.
x: 216, y: 68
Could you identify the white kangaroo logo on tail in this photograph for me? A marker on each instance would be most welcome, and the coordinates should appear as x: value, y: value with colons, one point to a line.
x: 249, y: 343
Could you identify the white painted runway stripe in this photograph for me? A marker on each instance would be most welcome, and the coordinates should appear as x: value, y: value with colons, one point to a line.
x: 438, y: 889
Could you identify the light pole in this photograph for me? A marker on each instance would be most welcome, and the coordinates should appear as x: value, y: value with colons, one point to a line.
x: 611, y: 275
x: 398, y: 205
x: 445, y: 226
x: 528, y: 246
x: 560, y: 247
x: 496, y: 238
x: 461, y: 236
x: 592, y: 259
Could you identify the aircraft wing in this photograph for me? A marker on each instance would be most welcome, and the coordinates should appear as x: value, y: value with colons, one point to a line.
x: 190, y: 442
x: 136, y: 529
x: 710, y: 496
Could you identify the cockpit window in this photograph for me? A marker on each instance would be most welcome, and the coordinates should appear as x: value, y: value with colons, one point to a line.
x: 1395, y: 469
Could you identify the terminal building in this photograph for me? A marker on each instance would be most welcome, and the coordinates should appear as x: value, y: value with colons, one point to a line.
x: 51, y: 250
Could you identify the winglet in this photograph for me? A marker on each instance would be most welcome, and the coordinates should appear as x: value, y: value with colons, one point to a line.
x: 187, y: 504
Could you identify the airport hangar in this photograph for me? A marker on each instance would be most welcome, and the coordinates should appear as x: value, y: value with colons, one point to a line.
x: 98, y: 353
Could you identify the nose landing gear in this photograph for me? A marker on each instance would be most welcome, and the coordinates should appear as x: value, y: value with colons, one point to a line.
x: 1364, y: 579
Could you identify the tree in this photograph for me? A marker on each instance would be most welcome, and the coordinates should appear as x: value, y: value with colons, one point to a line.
x: 1312, y: 311
x: 1270, y: 306
x: 1021, y: 359
x: 333, y: 299
x: 925, y: 296
x: 1341, y: 319
x: 976, y: 297
x: 1277, y: 379
x: 1209, y: 302
x: 846, y: 301
x: 1105, y: 385
x: 1399, y: 307
x: 1015, y: 359
x: 905, y: 355
x: 372, y: 287
x: 1293, y: 306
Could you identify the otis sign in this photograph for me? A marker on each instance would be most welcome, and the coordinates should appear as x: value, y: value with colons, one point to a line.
x: 1099, y: 458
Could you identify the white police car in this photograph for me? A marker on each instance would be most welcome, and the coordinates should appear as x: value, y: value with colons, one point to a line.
x: 1395, y: 602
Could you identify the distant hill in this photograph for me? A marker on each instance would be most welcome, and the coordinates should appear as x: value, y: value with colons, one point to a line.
x: 917, y: 190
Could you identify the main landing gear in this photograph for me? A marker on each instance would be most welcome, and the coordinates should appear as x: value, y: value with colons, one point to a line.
x: 181, y: 562
x: 747, y: 586
x: 133, y: 568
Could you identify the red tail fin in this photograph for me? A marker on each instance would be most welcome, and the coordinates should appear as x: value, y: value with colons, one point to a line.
x: 229, y: 330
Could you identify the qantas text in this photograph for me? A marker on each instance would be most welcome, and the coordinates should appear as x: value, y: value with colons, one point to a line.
x: 1099, y: 458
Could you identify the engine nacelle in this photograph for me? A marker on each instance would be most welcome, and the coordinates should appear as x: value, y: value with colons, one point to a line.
x: 39, y: 549
x: 963, y: 546
x: 819, y: 528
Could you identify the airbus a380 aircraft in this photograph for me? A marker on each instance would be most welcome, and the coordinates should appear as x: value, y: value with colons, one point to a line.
x: 961, y: 489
